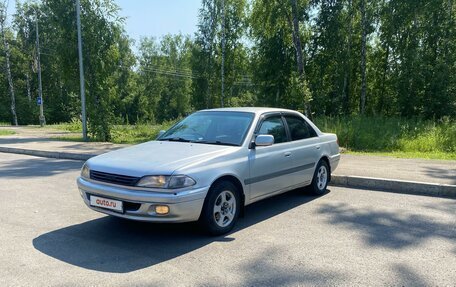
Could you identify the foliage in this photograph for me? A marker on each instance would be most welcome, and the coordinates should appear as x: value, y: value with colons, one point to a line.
x: 122, y: 134
x: 393, y: 134
x: 410, y: 67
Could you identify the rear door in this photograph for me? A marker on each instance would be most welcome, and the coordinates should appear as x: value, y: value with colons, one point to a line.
x: 269, y: 164
x: 305, y: 147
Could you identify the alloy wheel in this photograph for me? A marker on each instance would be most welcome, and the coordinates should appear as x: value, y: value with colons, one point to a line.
x: 322, y: 177
x: 224, y: 208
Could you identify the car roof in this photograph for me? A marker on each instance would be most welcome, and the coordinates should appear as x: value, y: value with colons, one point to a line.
x: 256, y: 110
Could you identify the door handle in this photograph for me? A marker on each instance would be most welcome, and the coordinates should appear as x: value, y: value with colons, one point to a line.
x: 318, y: 147
x: 287, y: 154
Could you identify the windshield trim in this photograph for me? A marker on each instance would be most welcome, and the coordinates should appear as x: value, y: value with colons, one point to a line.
x: 242, y: 142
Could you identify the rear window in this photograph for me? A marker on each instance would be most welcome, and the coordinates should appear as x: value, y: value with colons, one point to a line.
x: 299, y: 128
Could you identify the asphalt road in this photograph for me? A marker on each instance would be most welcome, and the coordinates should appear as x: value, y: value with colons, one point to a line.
x: 347, y: 237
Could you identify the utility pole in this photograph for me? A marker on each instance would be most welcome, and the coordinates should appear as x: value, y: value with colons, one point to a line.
x: 40, y: 87
x: 223, y: 54
x: 81, y: 71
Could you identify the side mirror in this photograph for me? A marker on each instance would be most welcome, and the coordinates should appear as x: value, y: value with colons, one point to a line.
x: 264, y: 140
x: 160, y: 133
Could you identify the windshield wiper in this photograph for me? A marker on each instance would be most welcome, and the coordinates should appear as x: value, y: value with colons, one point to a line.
x: 176, y: 139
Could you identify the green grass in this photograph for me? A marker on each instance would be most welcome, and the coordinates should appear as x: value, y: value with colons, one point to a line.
x: 402, y: 154
x: 6, y: 132
x: 74, y: 126
x: 406, y: 138
x: 392, y: 136
x: 121, y: 134
x: 132, y: 134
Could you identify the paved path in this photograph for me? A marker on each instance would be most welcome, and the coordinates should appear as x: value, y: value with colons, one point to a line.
x: 421, y: 170
x: 345, y: 238
x: 46, y: 139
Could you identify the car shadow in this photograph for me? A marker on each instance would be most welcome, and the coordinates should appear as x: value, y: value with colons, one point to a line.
x: 115, y: 245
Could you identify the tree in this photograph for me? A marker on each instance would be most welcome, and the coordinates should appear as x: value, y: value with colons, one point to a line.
x: 3, y: 14
x: 221, y: 22
x: 299, y: 58
x: 364, y: 28
x: 165, y: 78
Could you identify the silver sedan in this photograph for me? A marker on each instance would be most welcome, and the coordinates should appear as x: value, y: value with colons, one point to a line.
x: 210, y: 165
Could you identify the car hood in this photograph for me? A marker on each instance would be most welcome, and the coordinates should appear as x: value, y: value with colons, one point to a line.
x: 156, y: 158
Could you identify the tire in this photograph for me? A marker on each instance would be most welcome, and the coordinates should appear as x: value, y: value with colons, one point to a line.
x: 320, y: 179
x: 221, y: 208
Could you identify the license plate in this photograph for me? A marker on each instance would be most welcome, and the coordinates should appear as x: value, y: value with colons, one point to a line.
x: 112, y: 204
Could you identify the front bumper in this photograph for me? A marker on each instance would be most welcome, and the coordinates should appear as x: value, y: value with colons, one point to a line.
x: 184, y: 205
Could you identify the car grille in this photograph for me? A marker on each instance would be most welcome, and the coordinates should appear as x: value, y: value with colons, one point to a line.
x: 114, y: 178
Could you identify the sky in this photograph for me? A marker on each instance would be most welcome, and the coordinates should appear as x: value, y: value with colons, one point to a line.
x: 159, y: 17
x: 153, y: 18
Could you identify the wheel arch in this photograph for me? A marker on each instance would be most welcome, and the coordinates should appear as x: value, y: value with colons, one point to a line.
x: 325, y: 158
x: 234, y: 180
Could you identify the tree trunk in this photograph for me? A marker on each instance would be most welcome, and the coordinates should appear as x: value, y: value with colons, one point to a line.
x: 222, y: 97
x: 8, y: 67
x: 362, y: 105
x: 296, y: 38
x: 29, y: 93
x: 298, y: 48
x: 209, y: 67
x: 347, y: 70
x: 383, y: 86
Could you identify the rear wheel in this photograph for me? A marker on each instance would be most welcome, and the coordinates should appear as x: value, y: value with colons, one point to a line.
x: 221, y: 208
x: 320, y: 179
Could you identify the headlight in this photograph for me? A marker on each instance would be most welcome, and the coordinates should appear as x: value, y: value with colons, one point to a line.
x: 179, y: 181
x: 85, y: 171
x: 159, y: 181
x: 162, y: 181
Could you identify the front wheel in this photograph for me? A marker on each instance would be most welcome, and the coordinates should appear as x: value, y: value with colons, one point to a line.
x: 221, y: 208
x: 320, y: 179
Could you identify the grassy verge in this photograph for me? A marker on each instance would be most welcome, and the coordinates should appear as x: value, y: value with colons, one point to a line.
x: 406, y: 138
x: 401, y: 154
x: 6, y: 132
x: 393, y: 136
x: 121, y: 134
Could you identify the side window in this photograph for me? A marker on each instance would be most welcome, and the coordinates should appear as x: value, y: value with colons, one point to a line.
x: 274, y: 126
x: 299, y: 128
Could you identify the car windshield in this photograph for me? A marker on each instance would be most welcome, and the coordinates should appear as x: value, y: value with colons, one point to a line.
x: 223, y: 128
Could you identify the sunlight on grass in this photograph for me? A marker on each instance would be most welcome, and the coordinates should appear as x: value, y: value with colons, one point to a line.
x: 121, y: 134
x: 6, y: 132
x: 393, y: 136
x: 401, y: 154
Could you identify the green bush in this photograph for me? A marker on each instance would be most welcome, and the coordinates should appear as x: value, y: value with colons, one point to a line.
x: 379, y: 134
x: 74, y: 126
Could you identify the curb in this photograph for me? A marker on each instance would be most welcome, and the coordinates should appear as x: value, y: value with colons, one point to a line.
x: 380, y: 184
x: 396, y: 185
x: 48, y: 154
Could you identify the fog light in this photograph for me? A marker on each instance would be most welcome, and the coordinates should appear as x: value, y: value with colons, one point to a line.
x: 162, y: 209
